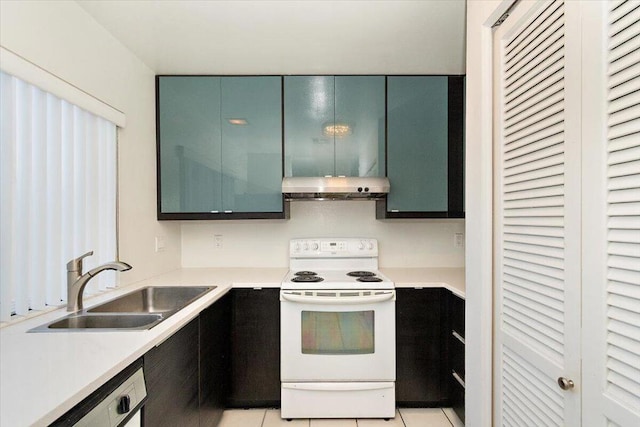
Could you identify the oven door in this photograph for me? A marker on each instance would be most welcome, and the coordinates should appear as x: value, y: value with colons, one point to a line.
x: 337, y: 335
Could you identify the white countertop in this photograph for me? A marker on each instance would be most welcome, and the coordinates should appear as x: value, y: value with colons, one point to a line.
x: 43, y: 375
x: 450, y: 278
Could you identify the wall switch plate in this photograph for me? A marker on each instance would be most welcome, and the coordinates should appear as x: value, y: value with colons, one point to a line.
x: 159, y: 243
x: 217, y: 241
x: 458, y: 240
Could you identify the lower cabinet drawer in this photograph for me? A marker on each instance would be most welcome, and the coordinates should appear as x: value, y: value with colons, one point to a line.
x: 457, y: 402
x: 457, y: 354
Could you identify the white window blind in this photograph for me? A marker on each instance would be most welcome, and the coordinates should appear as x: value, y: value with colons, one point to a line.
x: 58, y: 191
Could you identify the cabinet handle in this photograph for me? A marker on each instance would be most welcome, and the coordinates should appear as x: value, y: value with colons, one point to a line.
x: 458, y: 336
x: 457, y: 378
x: 228, y: 211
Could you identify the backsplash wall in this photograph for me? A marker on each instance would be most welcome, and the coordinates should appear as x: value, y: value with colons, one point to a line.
x: 265, y: 243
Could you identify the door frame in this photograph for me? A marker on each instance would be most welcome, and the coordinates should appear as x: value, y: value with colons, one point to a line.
x: 481, y: 17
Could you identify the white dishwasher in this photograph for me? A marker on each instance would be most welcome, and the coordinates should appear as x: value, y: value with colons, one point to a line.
x: 118, y: 403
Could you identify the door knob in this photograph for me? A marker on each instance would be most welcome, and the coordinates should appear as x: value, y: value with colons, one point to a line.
x: 565, y: 383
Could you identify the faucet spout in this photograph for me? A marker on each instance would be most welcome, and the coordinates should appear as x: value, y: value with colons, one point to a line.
x: 76, y: 281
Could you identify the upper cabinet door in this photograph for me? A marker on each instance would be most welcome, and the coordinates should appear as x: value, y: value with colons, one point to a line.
x: 189, y: 150
x: 417, y: 108
x: 308, y: 108
x: 359, y: 125
x: 220, y: 147
x: 252, y: 144
x: 334, y: 125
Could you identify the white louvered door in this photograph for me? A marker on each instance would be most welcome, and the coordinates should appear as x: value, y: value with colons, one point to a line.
x: 537, y: 215
x: 621, y: 388
x: 611, y: 274
x: 567, y: 214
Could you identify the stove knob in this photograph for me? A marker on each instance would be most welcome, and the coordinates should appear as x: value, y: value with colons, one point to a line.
x: 361, y: 246
x: 306, y: 246
x: 370, y: 245
x: 297, y: 247
x: 314, y: 246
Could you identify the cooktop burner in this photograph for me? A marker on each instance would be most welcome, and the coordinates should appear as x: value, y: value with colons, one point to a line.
x: 369, y: 279
x: 360, y: 274
x: 306, y: 279
x: 334, y: 264
x: 305, y: 273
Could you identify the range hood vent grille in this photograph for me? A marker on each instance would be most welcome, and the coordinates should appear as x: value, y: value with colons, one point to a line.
x: 335, y: 188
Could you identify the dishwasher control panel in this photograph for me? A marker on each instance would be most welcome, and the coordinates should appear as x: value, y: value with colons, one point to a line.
x: 119, y: 404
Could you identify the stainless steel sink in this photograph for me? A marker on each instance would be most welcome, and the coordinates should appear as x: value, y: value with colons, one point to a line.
x: 107, y: 321
x: 140, y: 309
x: 153, y: 299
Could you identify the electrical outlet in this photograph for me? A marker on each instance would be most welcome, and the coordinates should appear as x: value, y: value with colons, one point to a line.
x: 159, y: 243
x: 458, y: 240
x: 217, y: 241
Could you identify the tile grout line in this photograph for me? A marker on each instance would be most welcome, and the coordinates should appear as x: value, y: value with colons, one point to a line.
x: 402, y: 418
x: 446, y: 416
x: 264, y: 417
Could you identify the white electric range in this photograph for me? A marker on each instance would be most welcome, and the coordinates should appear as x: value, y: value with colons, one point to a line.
x: 337, y: 331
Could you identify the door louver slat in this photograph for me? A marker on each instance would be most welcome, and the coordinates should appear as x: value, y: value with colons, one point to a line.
x: 550, y: 316
x: 551, y: 89
x: 539, y: 280
x: 623, y: 70
x: 522, y: 286
x: 623, y: 207
x: 526, y: 61
x: 620, y: 8
x: 538, y: 240
x: 548, y: 144
x: 535, y: 151
x: 546, y: 77
x: 525, y: 37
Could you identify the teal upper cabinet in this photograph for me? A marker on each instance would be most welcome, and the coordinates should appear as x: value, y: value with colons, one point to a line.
x: 334, y: 125
x: 219, y: 147
x: 424, y: 147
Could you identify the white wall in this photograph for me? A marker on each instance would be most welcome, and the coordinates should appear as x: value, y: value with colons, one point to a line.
x: 265, y: 243
x: 62, y: 38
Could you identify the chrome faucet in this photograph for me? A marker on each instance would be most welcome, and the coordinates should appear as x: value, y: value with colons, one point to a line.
x: 76, y: 281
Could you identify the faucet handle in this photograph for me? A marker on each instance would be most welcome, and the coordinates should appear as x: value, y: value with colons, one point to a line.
x: 76, y: 263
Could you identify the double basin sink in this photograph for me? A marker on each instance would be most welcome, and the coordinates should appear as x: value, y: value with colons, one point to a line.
x: 137, y: 310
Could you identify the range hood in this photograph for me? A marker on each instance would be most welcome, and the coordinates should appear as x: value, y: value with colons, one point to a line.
x: 335, y: 188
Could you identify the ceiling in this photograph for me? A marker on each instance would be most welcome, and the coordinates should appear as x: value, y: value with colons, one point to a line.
x: 289, y: 37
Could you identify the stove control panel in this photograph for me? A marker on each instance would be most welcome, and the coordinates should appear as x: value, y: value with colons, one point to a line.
x: 333, y: 248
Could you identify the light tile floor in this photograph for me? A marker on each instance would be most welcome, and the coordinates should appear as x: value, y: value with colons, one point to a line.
x: 405, y: 417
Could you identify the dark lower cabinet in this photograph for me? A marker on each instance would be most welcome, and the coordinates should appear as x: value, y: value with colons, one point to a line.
x: 214, y: 361
x: 422, y: 379
x: 255, y: 348
x: 187, y: 376
x: 430, y: 349
x: 456, y: 340
x: 171, y: 374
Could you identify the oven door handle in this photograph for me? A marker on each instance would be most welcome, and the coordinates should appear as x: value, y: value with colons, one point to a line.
x: 333, y: 300
x: 335, y: 386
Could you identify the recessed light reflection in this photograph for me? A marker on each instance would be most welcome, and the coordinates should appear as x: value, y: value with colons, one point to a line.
x: 238, y: 122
